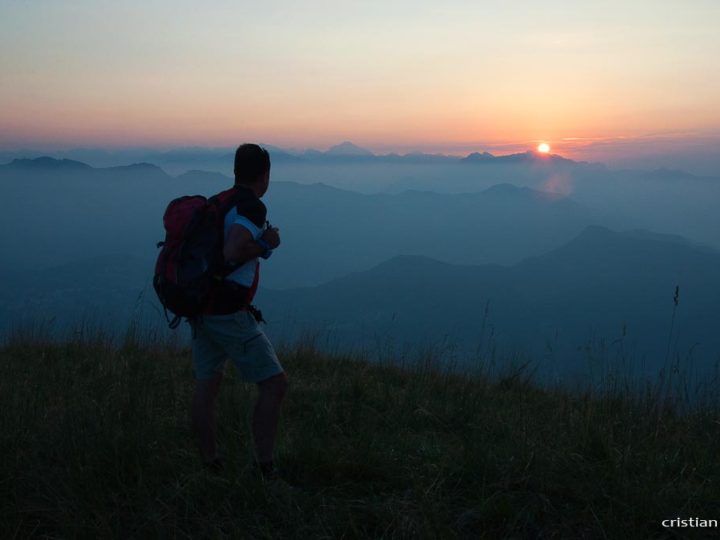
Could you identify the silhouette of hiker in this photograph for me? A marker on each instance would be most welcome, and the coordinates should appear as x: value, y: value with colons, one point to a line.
x: 230, y: 327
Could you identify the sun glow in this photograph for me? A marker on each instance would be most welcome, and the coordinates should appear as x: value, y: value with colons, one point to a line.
x: 543, y: 148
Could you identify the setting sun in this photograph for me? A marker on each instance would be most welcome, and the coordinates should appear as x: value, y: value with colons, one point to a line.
x: 543, y: 148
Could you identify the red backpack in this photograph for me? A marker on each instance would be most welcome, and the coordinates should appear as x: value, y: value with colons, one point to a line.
x: 191, y: 265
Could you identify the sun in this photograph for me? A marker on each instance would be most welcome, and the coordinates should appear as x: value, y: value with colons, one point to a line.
x: 543, y: 148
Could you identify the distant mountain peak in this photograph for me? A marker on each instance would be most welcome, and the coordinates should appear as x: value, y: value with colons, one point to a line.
x: 347, y: 148
x: 48, y: 163
x: 138, y: 167
x: 600, y: 238
x: 477, y: 156
x: 520, y: 157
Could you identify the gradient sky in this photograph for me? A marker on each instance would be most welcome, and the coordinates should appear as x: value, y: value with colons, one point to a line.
x: 598, y: 80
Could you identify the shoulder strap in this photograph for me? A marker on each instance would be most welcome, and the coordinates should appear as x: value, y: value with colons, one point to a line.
x: 223, y: 202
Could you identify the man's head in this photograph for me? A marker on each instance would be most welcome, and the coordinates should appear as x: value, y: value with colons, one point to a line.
x: 252, y: 168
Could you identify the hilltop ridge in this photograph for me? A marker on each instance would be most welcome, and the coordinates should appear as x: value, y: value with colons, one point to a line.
x: 373, y: 450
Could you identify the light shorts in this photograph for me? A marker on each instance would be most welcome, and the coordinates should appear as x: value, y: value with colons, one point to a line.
x: 239, y: 337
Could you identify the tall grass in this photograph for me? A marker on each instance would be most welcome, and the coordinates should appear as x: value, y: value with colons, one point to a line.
x: 96, y: 444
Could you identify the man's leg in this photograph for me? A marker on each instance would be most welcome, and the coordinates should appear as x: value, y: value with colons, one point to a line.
x: 254, y: 356
x: 203, y: 415
x: 266, y: 416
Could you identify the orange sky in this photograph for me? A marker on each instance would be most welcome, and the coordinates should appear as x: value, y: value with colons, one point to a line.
x: 427, y: 76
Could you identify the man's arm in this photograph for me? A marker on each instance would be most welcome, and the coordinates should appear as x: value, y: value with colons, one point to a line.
x: 240, y: 246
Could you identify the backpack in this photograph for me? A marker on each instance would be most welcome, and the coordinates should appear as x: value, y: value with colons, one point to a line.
x: 191, y: 265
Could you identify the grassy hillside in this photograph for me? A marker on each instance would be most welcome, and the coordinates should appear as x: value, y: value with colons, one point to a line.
x: 96, y: 444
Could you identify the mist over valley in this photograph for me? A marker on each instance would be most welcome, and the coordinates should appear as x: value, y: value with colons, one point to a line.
x: 542, y: 256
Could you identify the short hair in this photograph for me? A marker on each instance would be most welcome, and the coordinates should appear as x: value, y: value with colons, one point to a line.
x: 251, y: 163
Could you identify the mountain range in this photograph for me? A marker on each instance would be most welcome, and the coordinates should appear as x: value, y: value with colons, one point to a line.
x: 565, y: 307
x: 540, y: 259
x: 604, y: 300
x: 60, y: 211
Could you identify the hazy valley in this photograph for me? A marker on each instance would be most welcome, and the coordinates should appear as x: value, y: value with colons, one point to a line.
x: 524, y: 256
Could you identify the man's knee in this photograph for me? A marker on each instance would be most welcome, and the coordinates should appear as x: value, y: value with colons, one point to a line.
x: 276, y: 386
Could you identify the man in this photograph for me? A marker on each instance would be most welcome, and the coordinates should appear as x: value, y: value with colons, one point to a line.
x: 230, y: 330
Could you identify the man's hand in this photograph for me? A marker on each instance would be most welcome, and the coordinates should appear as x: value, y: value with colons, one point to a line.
x: 240, y: 247
x: 271, y: 235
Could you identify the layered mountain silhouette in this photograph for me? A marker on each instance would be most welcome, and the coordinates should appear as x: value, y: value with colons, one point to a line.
x: 602, y: 295
x: 601, y: 287
x: 45, y: 163
x: 48, y: 165
x: 519, y: 158
x: 529, y: 243
x: 195, y: 157
x: 327, y: 232
x: 347, y: 149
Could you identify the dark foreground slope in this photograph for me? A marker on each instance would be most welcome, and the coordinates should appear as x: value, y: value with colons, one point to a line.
x: 95, y: 444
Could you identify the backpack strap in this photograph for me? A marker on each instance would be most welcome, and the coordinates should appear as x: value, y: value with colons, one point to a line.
x: 223, y: 202
x: 175, y: 322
